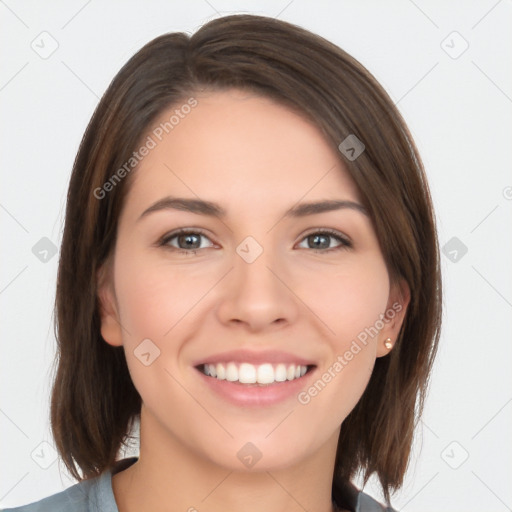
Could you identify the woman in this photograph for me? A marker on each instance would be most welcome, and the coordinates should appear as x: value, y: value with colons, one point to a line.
x: 250, y: 269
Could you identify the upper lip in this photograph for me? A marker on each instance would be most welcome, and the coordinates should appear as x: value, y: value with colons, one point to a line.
x: 253, y: 357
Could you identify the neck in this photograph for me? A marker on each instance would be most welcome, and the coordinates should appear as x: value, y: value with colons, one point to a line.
x: 169, y: 476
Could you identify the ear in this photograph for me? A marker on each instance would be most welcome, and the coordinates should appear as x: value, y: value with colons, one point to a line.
x: 396, y: 309
x: 110, y: 323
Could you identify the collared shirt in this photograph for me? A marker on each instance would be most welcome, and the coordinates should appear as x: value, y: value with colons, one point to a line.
x: 96, y: 495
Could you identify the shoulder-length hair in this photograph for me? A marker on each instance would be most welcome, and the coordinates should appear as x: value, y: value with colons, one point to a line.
x: 94, y: 403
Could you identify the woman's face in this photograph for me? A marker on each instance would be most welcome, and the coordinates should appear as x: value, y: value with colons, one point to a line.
x: 257, y: 289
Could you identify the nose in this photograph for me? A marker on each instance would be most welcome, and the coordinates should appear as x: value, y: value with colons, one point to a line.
x: 258, y: 295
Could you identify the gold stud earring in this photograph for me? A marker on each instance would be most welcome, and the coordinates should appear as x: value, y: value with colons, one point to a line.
x: 388, y: 343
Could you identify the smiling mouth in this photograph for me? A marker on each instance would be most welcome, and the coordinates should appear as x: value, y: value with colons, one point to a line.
x: 263, y: 374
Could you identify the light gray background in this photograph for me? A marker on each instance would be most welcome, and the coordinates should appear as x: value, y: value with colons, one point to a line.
x: 459, y: 111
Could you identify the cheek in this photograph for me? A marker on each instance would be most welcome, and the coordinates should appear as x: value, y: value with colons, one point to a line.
x: 349, y: 299
x: 154, y: 298
x: 156, y: 303
x: 350, y: 303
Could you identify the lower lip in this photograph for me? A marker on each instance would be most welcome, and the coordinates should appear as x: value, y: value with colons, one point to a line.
x: 255, y: 395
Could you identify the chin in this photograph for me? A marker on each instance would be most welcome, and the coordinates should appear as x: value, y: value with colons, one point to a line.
x: 258, y: 453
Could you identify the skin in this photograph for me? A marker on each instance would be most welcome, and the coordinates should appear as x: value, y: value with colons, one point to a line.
x: 238, y: 150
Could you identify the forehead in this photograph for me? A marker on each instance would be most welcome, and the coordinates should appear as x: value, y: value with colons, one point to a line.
x: 243, y: 148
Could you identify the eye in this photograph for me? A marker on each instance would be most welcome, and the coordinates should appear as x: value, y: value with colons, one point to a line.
x: 188, y: 241
x: 185, y: 241
x: 321, y: 241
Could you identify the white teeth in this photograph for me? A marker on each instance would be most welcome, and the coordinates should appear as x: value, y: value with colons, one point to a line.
x: 247, y: 373
x: 265, y: 374
x: 280, y: 375
x: 221, y: 371
x: 231, y: 372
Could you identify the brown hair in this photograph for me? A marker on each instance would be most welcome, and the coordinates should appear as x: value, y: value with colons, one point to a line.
x: 94, y: 402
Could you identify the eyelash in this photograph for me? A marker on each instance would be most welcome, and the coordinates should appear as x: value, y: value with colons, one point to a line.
x: 164, y: 241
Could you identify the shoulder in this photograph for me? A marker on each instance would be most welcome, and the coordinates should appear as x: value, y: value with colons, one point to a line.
x: 365, y: 503
x: 86, y: 496
x: 348, y: 497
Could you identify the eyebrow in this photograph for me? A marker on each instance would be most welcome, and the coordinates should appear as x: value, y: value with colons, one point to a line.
x: 201, y: 207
